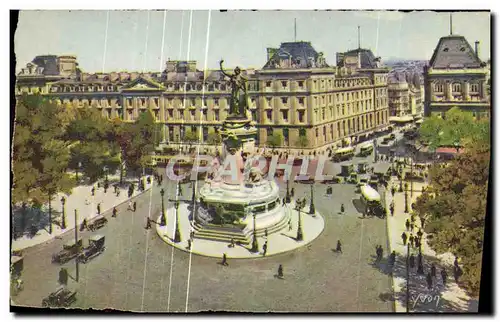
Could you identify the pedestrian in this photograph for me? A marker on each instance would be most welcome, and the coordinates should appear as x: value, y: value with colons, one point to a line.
x: 412, y: 261
x: 391, y: 208
x: 114, y: 212
x: 93, y: 191
x: 130, y: 206
x: 455, y: 263
x: 417, y: 242
x: 413, y: 219
x: 433, y: 270
x: 292, y: 192
x: 106, y: 186
x: 412, y: 226
x: 115, y: 188
x: 231, y: 245
x: 283, y: 202
x: 393, y: 191
x: 117, y: 192
x: 444, y: 276
x: 290, y: 224
x: 264, y: 249
x: 339, y: 246
x: 457, y: 272
x: 404, y: 237
x: 420, y: 233
x: 134, y: 206
x: 429, y: 281
x: 342, y: 208
x: 148, y: 223
x: 392, y: 258
x: 265, y: 233
x: 280, y: 272
x: 189, y: 244
x: 412, y: 240
x: 407, y: 224
x: 422, y: 221
x: 63, y: 277
x: 83, y: 224
x: 99, y: 208
x: 224, y: 260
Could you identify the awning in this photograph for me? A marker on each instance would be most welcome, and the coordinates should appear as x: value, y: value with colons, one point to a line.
x: 401, y: 119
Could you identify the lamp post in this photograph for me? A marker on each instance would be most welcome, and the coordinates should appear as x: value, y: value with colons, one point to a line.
x: 77, y: 245
x: 408, y: 278
x: 105, y: 169
x: 287, y: 196
x: 50, y: 213
x: 177, y: 237
x: 255, y: 243
x: 163, y: 219
x: 312, y: 209
x: 63, y: 219
x: 300, y: 234
x: 406, y: 197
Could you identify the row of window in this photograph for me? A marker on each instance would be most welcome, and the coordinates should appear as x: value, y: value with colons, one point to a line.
x: 456, y: 87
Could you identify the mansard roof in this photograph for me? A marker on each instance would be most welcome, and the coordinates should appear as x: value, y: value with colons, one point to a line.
x: 301, y: 53
x: 454, y: 51
x: 368, y: 59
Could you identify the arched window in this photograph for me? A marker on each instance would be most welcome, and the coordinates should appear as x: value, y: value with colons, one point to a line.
x: 474, y: 87
x: 438, y: 87
x: 457, y: 87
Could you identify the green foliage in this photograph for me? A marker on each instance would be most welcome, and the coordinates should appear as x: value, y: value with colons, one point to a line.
x: 275, y: 140
x: 40, y: 154
x: 191, y: 136
x: 302, y: 141
x: 214, y: 138
x: 457, y: 128
x: 454, y: 206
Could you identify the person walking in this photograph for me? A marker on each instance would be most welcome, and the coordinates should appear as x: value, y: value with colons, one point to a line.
x: 457, y: 272
x: 393, y: 191
x: 148, y: 223
x: 224, y: 260
x: 134, y: 205
x: 290, y: 224
x: 115, y: 212
x: 99, y: 208
x: 342, y: 208
x: 391, y: 208
x: 429, y: 281
x: 264, y: 249
x: 130, y: 207
x: 339, y: 246
x: 420, y: 233
x: 93, y: 191
x: 392, y: 258
x: 444, y: 276
x: 407, y: 224
x: 422, y: 221
x: 412, y: 240
x: 292, y: 191
x: 117, y: 192
x: 280, y: 272
x: 63, y: 276
x: 404, y: 237
x: 265, y: 233
x: 433, y: 270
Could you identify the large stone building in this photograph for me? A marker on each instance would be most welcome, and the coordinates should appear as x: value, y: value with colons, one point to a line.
x: 456, y: 76
x: 405, y: 98
x: 296, y: 94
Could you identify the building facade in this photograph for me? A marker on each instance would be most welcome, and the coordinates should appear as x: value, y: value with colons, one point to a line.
x: 295, y: 94
x: 405, y: 95
x: 456, y: 76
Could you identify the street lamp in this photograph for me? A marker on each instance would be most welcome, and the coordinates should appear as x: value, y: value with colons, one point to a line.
x: 312, y: 210
x: 163, y: 219
x: 50, y: 213
x: 177, y: 237
x: 255, y: 243
x: 63, y: 219
x: 300, y: 234
x: 287, y: 196
x: 406, y: 197
x: 408, y: 278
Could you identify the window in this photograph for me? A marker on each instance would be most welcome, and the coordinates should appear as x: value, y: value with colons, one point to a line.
x: 457, y: 87
x: 324, y: 131
x: 438, y: 87
x: 269, y: 115
x: 193, y: 102
x: 446, y: 49
x: 216, y: 116
x: 284, y: 83
x: 269, y: 101
x: 301, y: 116
x: 170, y: 113
x: 317, y: 132
x: 302, y: 132
x: 216, y: 102
x: 474, y: 88
x: 156, y: 101
x: 193, y: 113
x: 284, y: 100
x: 285, y: 134
x: 285, y: 115
x: 301, y: 84
x: 301, y: 100
x: 269, y: 131
x: 323, y: 113
x: 268, y: 84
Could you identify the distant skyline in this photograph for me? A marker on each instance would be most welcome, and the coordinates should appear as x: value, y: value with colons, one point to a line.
x: 239, y: 37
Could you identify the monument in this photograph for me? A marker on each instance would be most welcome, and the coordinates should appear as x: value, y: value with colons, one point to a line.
x: 243, y: 205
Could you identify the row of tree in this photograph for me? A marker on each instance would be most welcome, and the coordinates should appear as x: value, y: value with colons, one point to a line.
x: 50, y: 139
x: 454, y: 204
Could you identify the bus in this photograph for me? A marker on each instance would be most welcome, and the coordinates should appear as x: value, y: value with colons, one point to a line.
x: 343, y: 154
x: 365, y: 150
x: 372, y: 202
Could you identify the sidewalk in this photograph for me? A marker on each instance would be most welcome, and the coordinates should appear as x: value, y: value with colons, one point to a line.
x: 86, y: 204
x: 440, y: 298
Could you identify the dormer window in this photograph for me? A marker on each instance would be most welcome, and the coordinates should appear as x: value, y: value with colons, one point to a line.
x: 462, y: 49
x: 446, y: 49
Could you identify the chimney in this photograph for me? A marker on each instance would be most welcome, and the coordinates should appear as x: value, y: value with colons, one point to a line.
x: 476, y: 48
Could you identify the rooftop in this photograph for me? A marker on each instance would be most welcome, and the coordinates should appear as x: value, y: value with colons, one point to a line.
x: 454, y: 51
x: 299, y: 54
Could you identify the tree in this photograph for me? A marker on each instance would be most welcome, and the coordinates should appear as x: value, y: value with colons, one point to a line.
x: 302, y: 141
x: 454, y: 205
x: 214, y: 138
x: 190, y: 136
x: 275, y: 140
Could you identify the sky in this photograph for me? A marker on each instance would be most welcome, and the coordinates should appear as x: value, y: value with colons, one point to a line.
x: 118, y: 40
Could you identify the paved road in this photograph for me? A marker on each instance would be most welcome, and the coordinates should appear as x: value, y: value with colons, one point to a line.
x: 316, y: 278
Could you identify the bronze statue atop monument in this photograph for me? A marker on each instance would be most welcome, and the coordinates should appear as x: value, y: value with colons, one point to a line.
x: 238, y: 104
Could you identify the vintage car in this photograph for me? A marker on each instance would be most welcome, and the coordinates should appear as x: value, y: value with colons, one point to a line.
x: 60, y: 298
x: 353, y: 178
x: 70, y: 250
x: 96, y: 223
x: 362, y: 167
x: 374, y: 181
x: 96, y: 247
